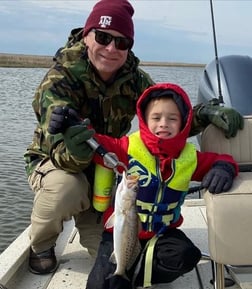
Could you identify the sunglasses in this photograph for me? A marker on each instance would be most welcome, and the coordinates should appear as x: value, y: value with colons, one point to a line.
x: 104, y: 38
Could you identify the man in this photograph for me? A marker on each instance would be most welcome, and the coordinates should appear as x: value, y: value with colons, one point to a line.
x: 96, y: 75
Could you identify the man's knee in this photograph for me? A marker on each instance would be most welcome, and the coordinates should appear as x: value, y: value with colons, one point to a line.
x: 72, y: 191
x: 57, y: 191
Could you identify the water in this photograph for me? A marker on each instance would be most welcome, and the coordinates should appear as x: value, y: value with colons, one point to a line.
x: 17, y: 86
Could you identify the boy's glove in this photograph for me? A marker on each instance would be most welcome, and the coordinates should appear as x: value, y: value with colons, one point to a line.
x: 225, y: 118
x: 219, y: 178
x: 62, y: 118
x: 75, y: 139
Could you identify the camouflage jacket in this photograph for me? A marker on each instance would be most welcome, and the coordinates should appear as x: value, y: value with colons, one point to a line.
x: 72, y: 81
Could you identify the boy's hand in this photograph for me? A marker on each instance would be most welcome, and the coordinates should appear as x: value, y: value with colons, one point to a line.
x: 217, y: 180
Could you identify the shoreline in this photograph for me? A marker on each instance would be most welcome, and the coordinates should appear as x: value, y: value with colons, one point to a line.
x: 43, y: 61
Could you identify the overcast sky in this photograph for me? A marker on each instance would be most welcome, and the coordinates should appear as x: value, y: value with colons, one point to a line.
x: 168, y: 30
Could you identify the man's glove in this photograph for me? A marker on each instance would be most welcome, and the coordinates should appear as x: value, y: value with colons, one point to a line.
x: 62, y: 118
x: 219, y: 178
x: 225, y: 118
x: 75, y: 138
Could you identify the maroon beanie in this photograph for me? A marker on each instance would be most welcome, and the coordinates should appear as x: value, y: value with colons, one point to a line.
x: 111, y: 14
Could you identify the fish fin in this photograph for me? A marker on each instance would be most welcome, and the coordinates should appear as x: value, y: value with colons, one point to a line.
x: 112, y: 258
x: 110, y: 222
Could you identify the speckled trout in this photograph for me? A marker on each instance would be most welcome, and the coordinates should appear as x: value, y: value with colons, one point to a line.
x: 126, y: 225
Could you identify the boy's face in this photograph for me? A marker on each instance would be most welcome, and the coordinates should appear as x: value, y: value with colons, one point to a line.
x: 163, y: 118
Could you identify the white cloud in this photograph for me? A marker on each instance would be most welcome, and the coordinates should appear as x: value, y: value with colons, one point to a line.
x: 168, y: 22
x: 232, y: 18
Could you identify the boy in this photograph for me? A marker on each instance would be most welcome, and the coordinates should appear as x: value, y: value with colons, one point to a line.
x: 166, y: 163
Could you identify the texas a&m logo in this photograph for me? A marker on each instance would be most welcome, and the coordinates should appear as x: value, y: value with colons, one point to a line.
x: 105, y: 21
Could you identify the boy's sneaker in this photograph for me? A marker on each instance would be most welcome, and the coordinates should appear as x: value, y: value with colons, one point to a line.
x: 44, y: 262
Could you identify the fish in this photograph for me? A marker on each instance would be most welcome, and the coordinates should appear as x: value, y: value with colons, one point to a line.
x: 126, y: 225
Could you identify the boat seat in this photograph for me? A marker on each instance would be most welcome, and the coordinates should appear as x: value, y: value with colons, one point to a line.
x: 229, y: 214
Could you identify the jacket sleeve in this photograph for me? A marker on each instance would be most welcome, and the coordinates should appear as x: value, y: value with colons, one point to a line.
x: 118, y: 146
x: 197, y: 124
x: 58, y: 88
x: 206, y: 160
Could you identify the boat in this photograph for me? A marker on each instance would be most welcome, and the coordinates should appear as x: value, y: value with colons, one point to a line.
x: 75, y: 262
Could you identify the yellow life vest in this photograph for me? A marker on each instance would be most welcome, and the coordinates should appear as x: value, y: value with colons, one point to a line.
x: 159, y: 201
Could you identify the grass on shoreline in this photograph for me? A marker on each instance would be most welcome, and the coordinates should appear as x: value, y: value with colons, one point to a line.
x: 21, y: 60
x: 37, y: 61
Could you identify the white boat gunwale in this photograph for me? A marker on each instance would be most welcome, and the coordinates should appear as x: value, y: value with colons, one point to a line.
x: 75, y: 262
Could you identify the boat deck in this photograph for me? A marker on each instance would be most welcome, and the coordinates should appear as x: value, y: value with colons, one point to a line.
x: 75, y: 263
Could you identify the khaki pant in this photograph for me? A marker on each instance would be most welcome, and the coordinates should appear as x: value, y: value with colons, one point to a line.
x: 59, y: 196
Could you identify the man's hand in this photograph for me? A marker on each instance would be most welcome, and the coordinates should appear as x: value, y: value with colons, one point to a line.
x: 75, y: 138
x: 62, y: 118
x: 75, y: 131
x: 225, y: 118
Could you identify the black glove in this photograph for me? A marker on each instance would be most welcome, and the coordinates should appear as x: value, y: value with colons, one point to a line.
x: 62, y: 118
x: 75, y: 139
x: 225, y: 118
x: 219, y: 178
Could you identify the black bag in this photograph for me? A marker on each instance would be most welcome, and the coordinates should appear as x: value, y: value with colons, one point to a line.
x: 174, y: 255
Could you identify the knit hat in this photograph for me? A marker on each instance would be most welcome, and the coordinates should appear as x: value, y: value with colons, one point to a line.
x: 111, y: 14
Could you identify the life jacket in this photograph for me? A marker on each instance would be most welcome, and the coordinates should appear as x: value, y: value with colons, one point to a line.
x: 159, y: 201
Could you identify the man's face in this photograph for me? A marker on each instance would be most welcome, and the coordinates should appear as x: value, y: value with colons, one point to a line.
x: 107, y: 59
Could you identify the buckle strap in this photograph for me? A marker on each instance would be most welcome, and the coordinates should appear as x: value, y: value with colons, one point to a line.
x: 149, y: 261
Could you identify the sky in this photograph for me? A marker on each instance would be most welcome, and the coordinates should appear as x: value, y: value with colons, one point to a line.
x: 167, y: 30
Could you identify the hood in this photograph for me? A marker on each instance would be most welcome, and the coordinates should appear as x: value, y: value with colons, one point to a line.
x: 165, y: 147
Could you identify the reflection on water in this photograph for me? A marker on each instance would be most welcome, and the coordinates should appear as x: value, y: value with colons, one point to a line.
x: 17, y: 86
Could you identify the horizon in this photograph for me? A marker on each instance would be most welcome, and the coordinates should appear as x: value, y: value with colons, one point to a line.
x: 170, y: 63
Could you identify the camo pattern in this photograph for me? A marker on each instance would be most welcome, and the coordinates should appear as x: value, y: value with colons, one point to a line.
x: 72, y: 82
